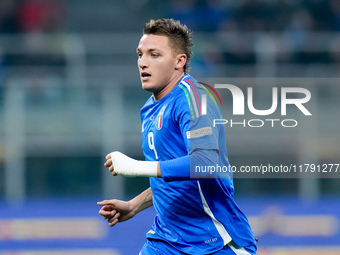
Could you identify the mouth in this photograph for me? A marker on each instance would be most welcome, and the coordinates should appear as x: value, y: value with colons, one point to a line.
x: 145, y: 76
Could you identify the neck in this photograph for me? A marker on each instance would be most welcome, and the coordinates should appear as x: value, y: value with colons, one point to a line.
x: 168, y: 88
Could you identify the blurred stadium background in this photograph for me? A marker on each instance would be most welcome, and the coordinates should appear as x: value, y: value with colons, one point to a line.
x: 70, y: 93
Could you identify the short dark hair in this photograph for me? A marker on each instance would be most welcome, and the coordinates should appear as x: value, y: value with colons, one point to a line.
x: 180, y: 37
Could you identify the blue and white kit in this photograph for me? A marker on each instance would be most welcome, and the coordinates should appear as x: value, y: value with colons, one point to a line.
x: 194, y: 215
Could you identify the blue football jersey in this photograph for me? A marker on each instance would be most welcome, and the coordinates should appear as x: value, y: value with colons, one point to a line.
x: 196, y: 215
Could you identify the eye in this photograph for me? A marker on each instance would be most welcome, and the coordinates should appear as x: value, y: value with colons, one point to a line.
x: 154, y: 55
x: 139, y: 54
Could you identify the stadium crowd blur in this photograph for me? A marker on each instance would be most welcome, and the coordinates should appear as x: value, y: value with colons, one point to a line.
x: 32, y: 19
x: 293, y: 19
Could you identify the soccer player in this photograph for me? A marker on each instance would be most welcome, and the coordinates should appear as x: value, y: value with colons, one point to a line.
x: 196, y: 211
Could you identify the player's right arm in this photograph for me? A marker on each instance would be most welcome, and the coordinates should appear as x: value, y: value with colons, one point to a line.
x: 115, y: 211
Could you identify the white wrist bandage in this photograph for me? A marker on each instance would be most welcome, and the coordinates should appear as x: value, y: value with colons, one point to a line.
x: 124, y: 165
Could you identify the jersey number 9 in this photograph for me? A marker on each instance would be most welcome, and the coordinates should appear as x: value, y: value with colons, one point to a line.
x: 151, y: 143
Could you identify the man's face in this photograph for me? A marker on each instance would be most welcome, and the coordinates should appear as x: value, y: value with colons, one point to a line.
x: 156, y: 62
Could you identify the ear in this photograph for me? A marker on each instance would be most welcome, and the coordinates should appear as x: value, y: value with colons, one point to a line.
x: 181, y: 60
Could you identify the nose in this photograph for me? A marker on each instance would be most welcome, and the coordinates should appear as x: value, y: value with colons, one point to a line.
x: 142, y: 62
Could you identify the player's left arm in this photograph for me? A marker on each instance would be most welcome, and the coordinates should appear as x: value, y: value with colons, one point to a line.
x: 170, y: 170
